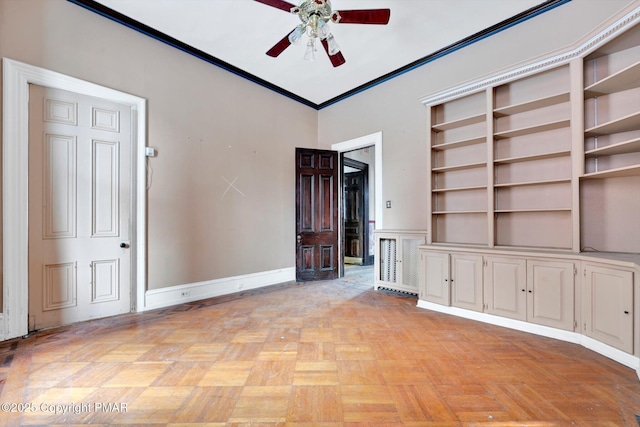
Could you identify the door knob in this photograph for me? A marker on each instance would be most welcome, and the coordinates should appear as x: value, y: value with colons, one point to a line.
x: 299, y: 238
x: 124, y: 245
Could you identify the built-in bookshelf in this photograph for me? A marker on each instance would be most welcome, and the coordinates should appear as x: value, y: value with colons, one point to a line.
x: 612, y: 111
x: 610, y: 185
x: 459, y: 170
x: 534, y: 194
x: 488, y: 190
x: 545, y: 157
x: 532, y: 161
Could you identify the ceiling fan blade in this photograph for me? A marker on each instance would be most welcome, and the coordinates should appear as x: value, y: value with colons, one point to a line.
x: 279, y: 47
x: 365, y: 16
x: 278, y: 4
x: 337, y: 59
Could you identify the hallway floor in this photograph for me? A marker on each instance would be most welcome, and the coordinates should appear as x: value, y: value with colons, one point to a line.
x: 331, y: 353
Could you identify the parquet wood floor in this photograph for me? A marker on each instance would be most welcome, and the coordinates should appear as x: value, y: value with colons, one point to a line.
x: 331, y: 353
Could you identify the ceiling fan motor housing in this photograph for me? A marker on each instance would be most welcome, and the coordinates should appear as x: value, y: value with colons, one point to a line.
x: 311, y: 10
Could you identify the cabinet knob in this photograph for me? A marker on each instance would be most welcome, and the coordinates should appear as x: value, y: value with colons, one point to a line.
x: 530, y: 291
x: 523, y: 290
x: 626, y: 312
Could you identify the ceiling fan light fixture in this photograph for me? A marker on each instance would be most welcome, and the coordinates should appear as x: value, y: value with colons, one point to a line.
x: 310, y: 52
x: 314, y: 16
x: 333, y: 45
x: 323, y: 29
x: 296, y: 35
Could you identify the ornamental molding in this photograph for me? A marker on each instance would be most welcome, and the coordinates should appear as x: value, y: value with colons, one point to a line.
x: 612, y: 31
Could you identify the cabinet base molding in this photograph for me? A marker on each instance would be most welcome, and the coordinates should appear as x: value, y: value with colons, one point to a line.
x: 619, y: 356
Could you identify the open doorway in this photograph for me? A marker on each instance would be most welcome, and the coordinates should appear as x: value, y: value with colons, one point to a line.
x: 359, y: 221
x: 372, y: 142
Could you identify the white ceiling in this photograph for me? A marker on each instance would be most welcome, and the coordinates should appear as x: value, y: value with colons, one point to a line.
x: 239, y: 32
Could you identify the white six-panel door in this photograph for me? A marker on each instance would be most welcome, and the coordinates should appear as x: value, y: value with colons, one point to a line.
x: 79, y: 208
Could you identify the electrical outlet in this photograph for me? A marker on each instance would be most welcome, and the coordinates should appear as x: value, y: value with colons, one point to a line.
x: 388, y: 204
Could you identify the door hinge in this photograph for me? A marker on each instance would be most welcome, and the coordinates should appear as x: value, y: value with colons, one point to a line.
x: 575, y: 271
x: 575, y: 325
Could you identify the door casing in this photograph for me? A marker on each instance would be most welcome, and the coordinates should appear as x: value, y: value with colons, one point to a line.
x: 375, y: 140
x: 364, y: 214
x: 15, y: 162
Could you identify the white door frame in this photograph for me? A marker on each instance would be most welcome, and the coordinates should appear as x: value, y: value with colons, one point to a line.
x: 374, y: 139
x: 15, y: 189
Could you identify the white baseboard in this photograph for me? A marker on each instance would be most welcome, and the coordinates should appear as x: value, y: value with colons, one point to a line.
x: 612, y: 353
x: 619, y: 356
x: 173, y: 295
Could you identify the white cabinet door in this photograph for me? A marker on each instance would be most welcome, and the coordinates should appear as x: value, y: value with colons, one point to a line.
x: 505, y: 290
x: 451, y: 279
x: 466, y: 281
x: 408, y: 262
x: 434, y: 278
x: 608, y: 306
x: 550, y: 293
x: 397, y: 260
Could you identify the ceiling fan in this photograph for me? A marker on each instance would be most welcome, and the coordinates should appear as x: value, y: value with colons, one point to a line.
x: 315, y: 16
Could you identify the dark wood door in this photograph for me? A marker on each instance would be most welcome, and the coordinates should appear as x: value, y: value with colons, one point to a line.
x: 354, y: 226
x: 317, y: 219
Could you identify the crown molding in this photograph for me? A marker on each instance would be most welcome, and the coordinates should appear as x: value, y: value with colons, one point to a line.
x: 584, y: 48
x: 96, y: 7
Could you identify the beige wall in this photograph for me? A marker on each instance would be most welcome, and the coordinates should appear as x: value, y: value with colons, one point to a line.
x: 207, y: 125
x: 394, y: 107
